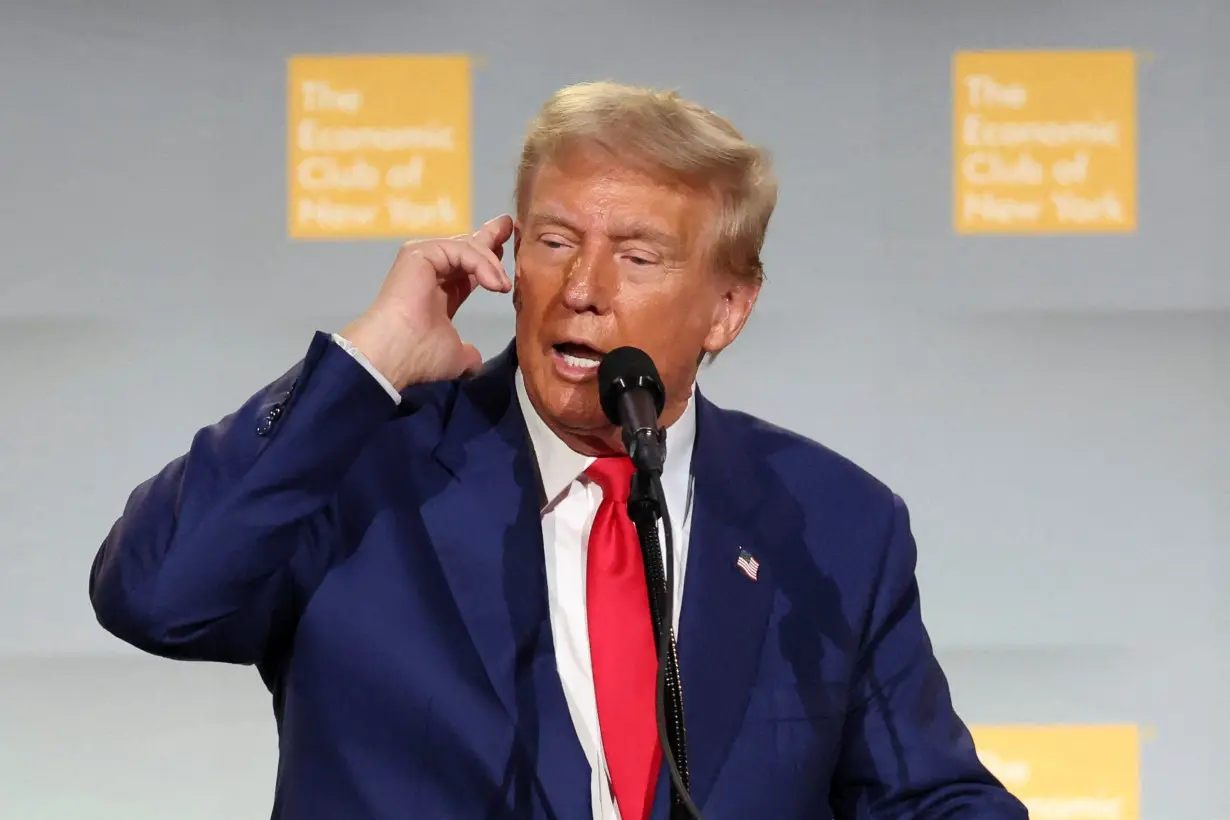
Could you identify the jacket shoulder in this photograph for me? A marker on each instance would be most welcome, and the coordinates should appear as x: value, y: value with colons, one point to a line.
x: 811, y: 469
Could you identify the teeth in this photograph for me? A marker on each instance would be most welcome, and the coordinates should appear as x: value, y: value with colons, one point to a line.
x: 577, y: 361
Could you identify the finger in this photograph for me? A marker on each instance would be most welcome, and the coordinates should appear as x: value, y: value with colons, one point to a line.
x: 496, y: 256
x: 456, y: 291
x: 494, y: 233
x: 453, y: 259
x: 501, y: 282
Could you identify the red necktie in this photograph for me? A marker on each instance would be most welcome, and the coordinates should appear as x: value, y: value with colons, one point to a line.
x: 621, y: 643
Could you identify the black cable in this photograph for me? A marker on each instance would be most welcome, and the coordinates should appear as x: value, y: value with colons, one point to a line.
x: 668, y: 663
x: 668, y: 682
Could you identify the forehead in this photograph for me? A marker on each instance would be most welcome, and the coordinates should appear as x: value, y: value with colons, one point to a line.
x: 595, y: 192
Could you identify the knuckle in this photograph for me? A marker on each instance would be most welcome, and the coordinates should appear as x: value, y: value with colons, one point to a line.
x: 411, y: 251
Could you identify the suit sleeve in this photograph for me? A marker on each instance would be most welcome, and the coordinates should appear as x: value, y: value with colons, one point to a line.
x: 906, y: 753
x: 213, y: 557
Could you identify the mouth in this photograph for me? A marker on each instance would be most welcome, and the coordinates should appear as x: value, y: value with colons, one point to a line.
x: 576, y: 360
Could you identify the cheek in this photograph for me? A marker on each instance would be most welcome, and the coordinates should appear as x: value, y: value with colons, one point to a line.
x: 678, y: 319
x: 534, y: 285
x: 674, y: 335
x: 527, y: 295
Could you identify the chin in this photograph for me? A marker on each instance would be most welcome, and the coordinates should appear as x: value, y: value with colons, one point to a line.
x: 575, y: 407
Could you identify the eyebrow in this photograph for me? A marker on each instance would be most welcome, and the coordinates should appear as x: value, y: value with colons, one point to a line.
x: 629, y: 231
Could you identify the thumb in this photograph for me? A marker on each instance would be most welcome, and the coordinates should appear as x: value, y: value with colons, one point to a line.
x: 469, y: 360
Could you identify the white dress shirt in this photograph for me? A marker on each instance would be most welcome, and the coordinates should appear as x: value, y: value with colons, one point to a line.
x: 571, y: 504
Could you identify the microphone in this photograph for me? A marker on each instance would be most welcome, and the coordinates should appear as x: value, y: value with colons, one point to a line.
x: 632, y: 396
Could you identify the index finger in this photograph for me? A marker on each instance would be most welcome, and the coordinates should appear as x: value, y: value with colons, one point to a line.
x: 495, y: 232
x: 453, y: 258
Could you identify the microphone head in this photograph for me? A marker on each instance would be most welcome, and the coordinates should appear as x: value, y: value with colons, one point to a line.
x: 624, y: 369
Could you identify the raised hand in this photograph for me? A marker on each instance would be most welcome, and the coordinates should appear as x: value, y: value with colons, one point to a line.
x: 407, y: 333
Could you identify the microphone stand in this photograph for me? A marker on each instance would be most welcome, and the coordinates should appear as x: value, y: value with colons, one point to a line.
x: 646, y: 505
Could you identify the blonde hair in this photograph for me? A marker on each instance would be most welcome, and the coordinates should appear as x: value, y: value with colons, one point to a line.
x: 663, y: 134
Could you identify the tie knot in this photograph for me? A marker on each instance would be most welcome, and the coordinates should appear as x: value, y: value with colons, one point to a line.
x: 614, y: 475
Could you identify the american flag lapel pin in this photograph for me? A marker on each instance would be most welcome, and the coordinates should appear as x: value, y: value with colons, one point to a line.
x: 748, y: 564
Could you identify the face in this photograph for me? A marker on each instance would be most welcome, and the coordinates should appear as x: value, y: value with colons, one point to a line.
x: 606, y: 257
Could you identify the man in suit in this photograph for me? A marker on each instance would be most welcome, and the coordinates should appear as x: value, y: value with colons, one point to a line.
x: 430, y: 562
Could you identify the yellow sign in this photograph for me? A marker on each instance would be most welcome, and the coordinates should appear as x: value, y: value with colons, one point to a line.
x: 1044, y: 142
x: 1066, y: 772
x: 379, y: 146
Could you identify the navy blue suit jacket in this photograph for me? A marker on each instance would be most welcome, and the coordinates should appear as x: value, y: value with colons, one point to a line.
x: 383, y: 568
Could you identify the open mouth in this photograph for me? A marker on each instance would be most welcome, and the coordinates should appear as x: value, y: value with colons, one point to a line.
x: 579, y: 355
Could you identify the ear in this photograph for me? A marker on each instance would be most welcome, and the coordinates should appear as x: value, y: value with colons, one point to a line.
x: 731, y: 314
x: 516, y: 277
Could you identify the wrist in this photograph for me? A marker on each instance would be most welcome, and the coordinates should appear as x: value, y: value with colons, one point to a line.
x: 384, y: 347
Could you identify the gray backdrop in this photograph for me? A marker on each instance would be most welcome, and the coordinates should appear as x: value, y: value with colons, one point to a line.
x: 1053, y: 409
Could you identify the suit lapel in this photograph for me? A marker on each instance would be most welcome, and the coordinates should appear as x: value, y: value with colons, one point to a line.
x: 486, y: 528
x: 725, y: 613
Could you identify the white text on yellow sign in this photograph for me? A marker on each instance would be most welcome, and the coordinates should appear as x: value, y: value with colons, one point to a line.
x: 1044, y: 142
x: 379, y: 146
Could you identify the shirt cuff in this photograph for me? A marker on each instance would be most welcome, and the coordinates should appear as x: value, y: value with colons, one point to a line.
x: 368, y: 366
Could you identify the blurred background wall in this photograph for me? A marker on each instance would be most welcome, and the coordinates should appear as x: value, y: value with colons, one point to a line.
x: 1054, y: 409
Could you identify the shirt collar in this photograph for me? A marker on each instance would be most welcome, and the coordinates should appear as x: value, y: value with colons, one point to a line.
x: 559, y: 465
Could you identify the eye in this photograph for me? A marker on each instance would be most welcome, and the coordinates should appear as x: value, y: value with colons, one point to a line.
x: 553, y: 241
x: 640, y: 260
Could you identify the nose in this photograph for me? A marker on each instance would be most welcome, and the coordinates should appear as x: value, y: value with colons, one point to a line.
x: 591, y: 281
